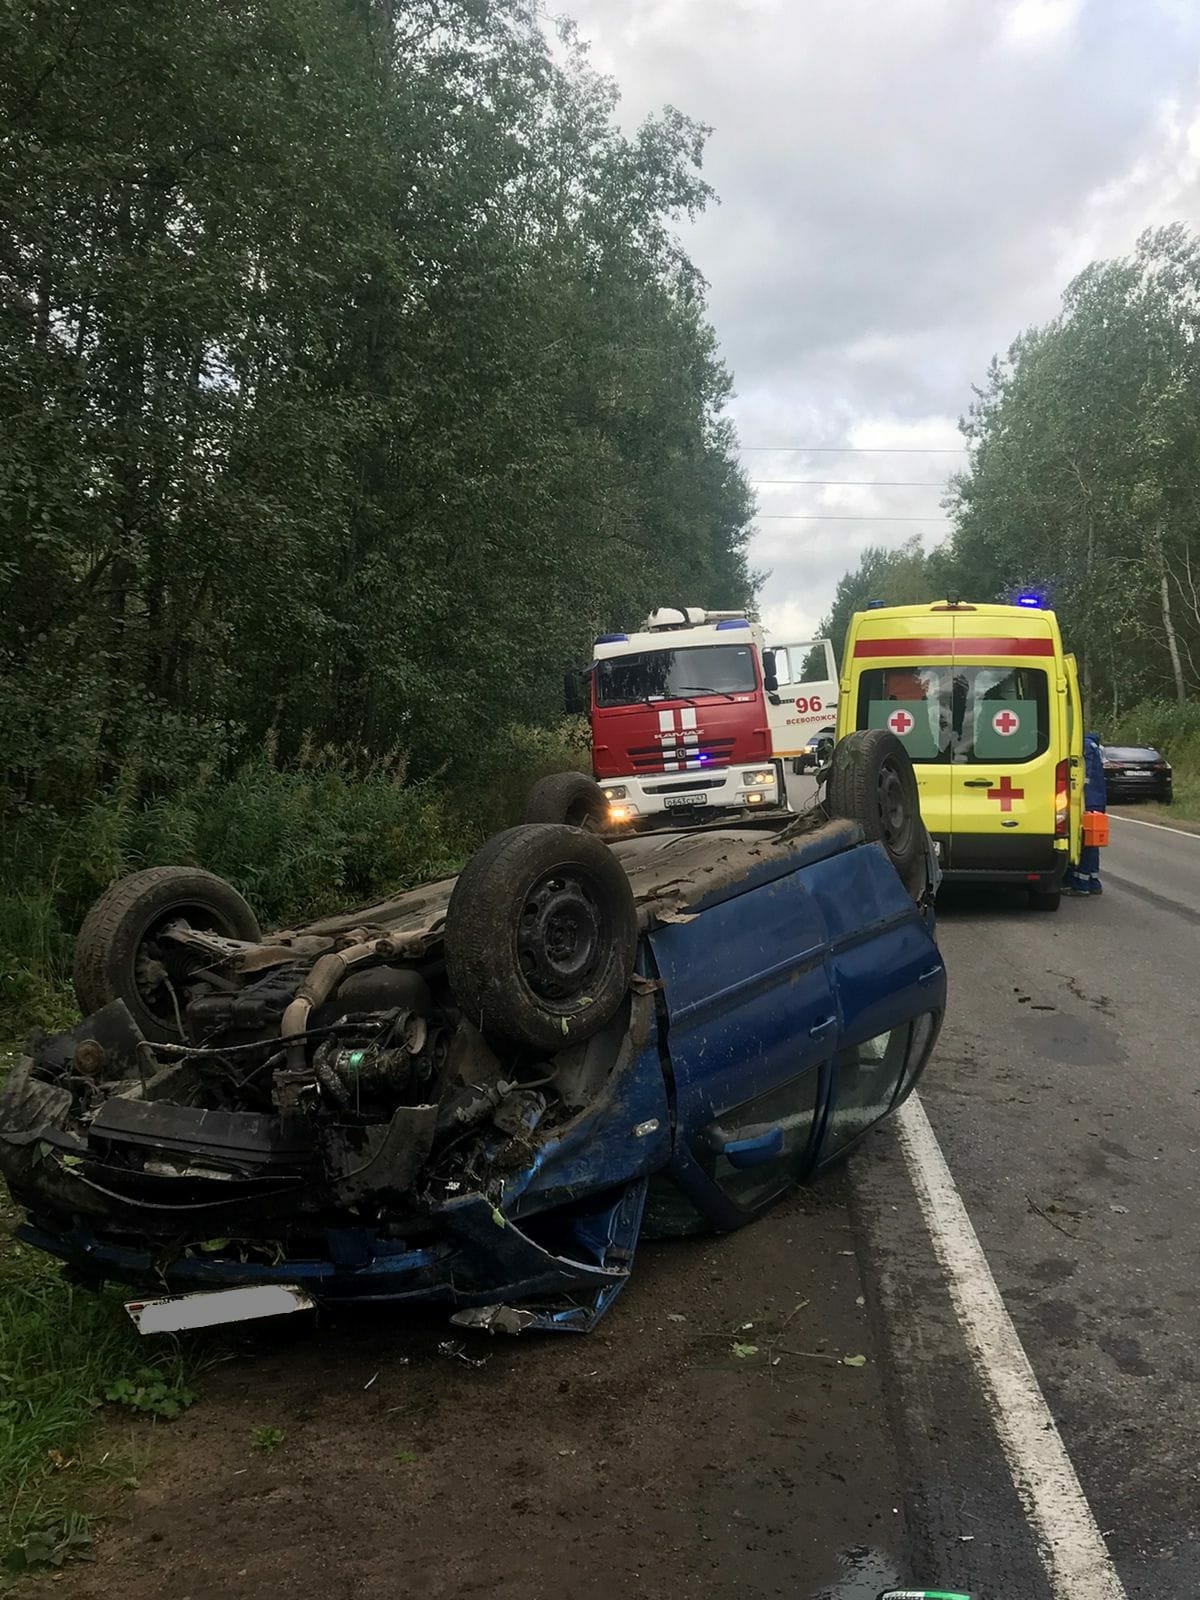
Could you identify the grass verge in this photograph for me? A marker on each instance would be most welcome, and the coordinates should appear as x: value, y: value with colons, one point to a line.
x: 67, y: 1355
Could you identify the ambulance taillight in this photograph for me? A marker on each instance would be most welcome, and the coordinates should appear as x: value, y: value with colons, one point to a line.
x: 1062, y: 799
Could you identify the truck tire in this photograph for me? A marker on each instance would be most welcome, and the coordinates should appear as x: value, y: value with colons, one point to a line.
x: 116, y: 943
x: 569, y: 797
x: 541, y: 936
x: 871, y: 781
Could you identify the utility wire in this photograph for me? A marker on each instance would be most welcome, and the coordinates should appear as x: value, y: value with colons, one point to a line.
x: 856, y: 449
x: 777, y: 516
x: 862, y: 483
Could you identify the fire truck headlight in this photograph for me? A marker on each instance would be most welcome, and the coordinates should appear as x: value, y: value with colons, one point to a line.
x: 614, y: 791
x: 754, y: 798
x: 621, y: 813
x: 763, y: 776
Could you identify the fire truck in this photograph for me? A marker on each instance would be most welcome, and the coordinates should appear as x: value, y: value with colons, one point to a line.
x: 696, y: 712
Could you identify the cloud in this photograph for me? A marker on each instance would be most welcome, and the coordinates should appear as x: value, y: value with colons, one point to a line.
x: 1038, y: 23
x: 903, y: 189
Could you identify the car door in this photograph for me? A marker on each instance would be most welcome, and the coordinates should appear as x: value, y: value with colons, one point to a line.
x: 751, y: 1024
x: 910, y: 696
x: 1074, y: 730
x: 1005, y: 720
x: 890, y: 982
x: 804, y: 700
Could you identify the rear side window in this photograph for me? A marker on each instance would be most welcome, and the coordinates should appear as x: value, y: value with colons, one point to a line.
x: 959, y: 714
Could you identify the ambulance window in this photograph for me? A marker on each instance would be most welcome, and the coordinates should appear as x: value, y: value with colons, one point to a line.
x: 960, y: 714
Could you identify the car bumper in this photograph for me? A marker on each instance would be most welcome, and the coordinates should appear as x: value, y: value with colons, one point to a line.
x: 554, y: 1240
x: 1036, y: 861
x: 692, y: 794
x: 1139, y: 789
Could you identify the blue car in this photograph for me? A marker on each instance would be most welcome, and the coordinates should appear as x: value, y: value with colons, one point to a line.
x: 482, y: 1092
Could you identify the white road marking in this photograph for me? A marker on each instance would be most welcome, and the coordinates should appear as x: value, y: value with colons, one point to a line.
x: 1072, y: 1550
x: 1161, y: 827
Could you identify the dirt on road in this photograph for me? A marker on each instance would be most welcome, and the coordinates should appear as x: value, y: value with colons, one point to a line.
x: 648, y: 1459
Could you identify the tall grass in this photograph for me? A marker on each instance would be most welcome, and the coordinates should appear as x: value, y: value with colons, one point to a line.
x: 297, y: 840
x: 62, y: 1351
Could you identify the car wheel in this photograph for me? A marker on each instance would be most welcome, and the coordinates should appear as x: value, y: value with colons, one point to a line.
x: 569, y: 797
x: 541, y: 936
x: 1045, y: 899
x: 117, y: 953
x: 871, y: 781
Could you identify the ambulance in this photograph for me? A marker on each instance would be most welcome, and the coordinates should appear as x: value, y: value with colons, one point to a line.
x: 986, y: 702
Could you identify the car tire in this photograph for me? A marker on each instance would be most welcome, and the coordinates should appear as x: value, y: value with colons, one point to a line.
x: 872, y: 782
x: 118, y: 934
x: 541, y: 936
x: 1045, y: 899
x: 567, y: 797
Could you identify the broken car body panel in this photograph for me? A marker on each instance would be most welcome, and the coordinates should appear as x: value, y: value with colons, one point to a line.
x: 787, y: 994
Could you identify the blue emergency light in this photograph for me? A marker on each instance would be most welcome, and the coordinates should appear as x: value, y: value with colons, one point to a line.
x: 1032, y: 601
x: 611, y: 638
x: 740, y: 622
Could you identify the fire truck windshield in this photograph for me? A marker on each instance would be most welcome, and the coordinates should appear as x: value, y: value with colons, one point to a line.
x: 679, y: 674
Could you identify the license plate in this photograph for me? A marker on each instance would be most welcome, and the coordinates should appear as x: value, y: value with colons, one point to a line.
x: 1136, y: 772
x: 686, y: 800
x: 209, y: 1309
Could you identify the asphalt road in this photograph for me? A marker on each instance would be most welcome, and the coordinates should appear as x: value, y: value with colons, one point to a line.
x: 653, y: 1459
x: 1066, y: 1098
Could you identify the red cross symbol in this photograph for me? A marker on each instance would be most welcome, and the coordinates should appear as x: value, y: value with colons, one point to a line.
x: 900, y: 722
x: 1006, y: 722
x: 1006, y: 794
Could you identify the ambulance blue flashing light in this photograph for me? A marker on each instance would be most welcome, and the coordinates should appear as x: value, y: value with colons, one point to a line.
x: 611, y: 638
x: 1032, y: 601
x: 875, y: 605
x: 739, y: 622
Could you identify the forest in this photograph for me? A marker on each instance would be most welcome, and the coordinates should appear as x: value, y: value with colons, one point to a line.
x: 352, y: 377
x: 1083, y: 486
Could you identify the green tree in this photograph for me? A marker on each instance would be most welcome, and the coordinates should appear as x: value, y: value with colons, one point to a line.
x: 1082, y: 482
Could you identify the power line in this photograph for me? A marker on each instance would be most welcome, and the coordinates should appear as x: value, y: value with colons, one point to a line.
x: 862, y: 483
x: 778, y: 516
x: 856, y: 450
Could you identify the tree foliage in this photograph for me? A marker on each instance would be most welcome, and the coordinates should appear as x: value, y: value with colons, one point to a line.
x: 1085, y: 470
x: 351, y: 376
x: 1084, y: 482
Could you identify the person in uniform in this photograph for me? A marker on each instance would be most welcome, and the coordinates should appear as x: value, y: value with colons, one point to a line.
x: 1085, y: 878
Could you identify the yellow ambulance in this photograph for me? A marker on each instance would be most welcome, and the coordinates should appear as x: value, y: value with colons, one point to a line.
x: 986, y: 702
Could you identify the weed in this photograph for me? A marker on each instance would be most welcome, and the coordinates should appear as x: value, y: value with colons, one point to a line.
x: 405, y: 1458
x: 153, y: 1392
x: 268, y: 1439
x: 50, y: 1540
x: 62, y: 1350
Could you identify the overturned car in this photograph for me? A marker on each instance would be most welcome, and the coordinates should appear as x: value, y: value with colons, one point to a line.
x: 480, y: 1092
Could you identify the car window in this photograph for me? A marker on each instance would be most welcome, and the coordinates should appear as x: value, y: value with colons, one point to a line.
x: 959, y: 714
x: 665, y: 674
x: 864, y: 1085
x: 1130, y: 752
x: 790, y: 1109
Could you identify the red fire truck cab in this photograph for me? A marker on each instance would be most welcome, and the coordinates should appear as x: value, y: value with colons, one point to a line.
x: 697, y: 713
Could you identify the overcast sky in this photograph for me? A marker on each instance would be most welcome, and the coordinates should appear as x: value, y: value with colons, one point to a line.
x: 905, y: 184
